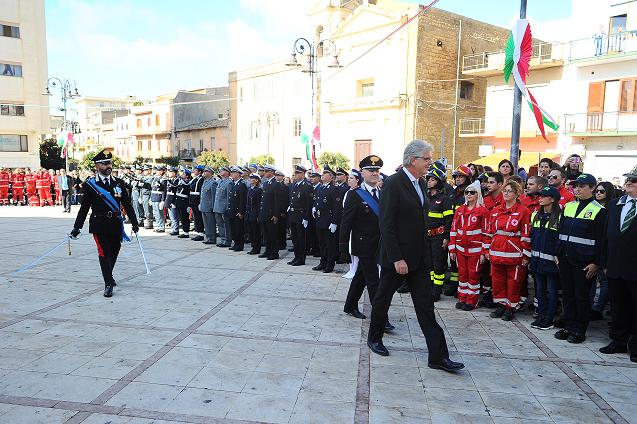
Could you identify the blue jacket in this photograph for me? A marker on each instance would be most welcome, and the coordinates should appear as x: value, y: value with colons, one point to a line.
x: 222, y: 196
x: 544, y: 244
x: 208, y: 191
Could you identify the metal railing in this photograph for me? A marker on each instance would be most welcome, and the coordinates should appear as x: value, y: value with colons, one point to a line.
x: 486, y: 60
x: 470, y: 126
x: 600, y: 122
x: 603, y: 45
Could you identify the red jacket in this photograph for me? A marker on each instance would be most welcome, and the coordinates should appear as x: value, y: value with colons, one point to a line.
x: 467, y: 230
x: 43, y: 180
x: 30, y: 180
x: 565, y: 196
x: 532, y: 203
x: 508, y: 235
x: 4, y: 179
x: 491, y: 202
x: 18, y: 181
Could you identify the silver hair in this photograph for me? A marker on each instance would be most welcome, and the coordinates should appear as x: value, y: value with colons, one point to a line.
x: 415, y: 148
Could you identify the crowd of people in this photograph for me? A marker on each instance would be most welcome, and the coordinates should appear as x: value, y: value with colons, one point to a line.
x: 490, y: 235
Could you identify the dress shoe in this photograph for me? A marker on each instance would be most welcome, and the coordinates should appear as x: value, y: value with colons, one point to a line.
x: 633, y: 357
x: 291, y: 249
x: 292, y: 262
x: 108, y: 291
x: 508, y: 315
x: 197, y: 238
x: 113, y: 283
x: 174, y: 234
x: 208, y: 242
x: 237, y: 249
x: 299, y: 263
x: 499, y: 311
x: 185, y: 235
x: 468, y: 307
x: 273, y: 257
x: 576, y: 338
x: 356, y: 314
x: 446, y: 365
x: 264, y: 255
x: 459, y: 305
x: 319, y: 267
x: 388, y: 327
x: 378, y: 348
x: 614, y: 347
x: 328, y: 269
x: 404, y: 288
x: 562, y: 334
x: 253, y: 252
x: 159, y: 231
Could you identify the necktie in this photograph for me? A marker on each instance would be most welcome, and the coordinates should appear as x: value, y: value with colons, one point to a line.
x: 417, y: 187
x: 374, y: 195
x: 107, y: 182
x: 630, y: 216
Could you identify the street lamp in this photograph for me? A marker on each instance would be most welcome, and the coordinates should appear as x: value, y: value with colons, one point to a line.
x: 304, y: 48
x: 68, y: 90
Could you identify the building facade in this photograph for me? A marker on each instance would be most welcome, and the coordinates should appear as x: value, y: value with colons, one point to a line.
x: 587, y: 84
x: 24, y: 113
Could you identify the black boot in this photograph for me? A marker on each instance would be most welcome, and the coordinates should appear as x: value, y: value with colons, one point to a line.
x: 108, y: 291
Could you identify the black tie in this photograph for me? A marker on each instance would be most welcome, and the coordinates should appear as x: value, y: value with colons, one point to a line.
x: 374, y: 195
x: 107, y: 182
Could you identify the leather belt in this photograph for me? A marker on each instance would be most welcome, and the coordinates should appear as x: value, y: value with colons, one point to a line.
x: 436, y: 231
x: 182, y: 195
x: 109, y: 214
x: 194, y: 193
x: 157, y: 192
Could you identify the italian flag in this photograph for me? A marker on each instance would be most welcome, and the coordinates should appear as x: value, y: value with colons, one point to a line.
x: 519, y: 49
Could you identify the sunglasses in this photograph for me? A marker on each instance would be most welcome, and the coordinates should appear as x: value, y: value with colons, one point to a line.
x: 553, y: 177
x: 631, y: 180
x: 600, y: 191
x: 470, y: 193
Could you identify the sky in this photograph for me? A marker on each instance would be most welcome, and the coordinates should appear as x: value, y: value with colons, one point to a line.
x: 115, y: 48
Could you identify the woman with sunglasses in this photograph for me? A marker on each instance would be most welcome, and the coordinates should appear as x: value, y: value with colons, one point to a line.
x: 604, y: 193
x: 466, y: 245
x: 508, y: 247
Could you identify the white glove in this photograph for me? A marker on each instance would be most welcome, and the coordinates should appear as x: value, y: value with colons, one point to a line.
x: 288, y: 209
x: 161, y: 205
x: 313, y: 211
x: 140, y: 201
x: 173, y: 206
x: 188, y: 209
x: 332, y: 228
x: 199, y: 206
x: 304, y: 222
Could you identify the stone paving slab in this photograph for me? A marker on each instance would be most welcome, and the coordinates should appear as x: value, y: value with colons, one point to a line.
x: 219, y: 336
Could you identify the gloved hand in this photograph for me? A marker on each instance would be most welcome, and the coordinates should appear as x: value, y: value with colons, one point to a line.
x: 199, y: 207
x: 161, y: 205
x: 135, y: 228
x: 313, y: 211
x: 304, y: 223
x: 332, y: 228
x: 173, y: 206
x: 188, y: 209
x: 288, y: 209
x: 140, y: 201
x: 75, y: 232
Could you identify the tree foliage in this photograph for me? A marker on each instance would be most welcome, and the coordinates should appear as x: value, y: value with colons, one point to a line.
x: 334, y: 160
x: 50, y: 155
x: 169, y: 160
x: 213, y: 159
x: 87, y: 161
x: 262, y: 159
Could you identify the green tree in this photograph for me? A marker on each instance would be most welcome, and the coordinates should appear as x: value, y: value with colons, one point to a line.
x: 262, y: 159
x: 169, y: 160
x: 213, y: 159
x: 87, y: 161
x: 50, y: 153
x: 334, y: 160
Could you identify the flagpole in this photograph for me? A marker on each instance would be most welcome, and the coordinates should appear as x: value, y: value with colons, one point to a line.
x: 517, y: 111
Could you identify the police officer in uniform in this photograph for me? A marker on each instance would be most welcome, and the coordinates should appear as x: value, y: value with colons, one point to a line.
x: 581, y: 234
x: 136, y: 195
x: 182, y: 201
x: 439, y: 218
x: 253, y: 204
x: 105, y: 195
x: 299, y: 213
x: 171, y: 203
x: 146, y: 189
x: 312, y: 240
x: 270, y: 213
x: 327, y: 212
x: 195, y: 197
x: 238, y: 193
x: 158, y: 197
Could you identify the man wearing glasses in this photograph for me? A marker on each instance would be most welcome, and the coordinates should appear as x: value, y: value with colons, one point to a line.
x: 618, y: 259
x: 556, y: 179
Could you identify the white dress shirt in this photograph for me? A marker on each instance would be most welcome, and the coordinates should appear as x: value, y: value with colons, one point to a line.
x: 627, y: 206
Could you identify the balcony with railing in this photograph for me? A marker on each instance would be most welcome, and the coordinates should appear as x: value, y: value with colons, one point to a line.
x: 614, y: 47
x: 486, y: 64
x: 500, y: 126
x: 600, y: 124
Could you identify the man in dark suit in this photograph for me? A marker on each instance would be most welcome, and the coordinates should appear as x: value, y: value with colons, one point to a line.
x: 403, y: 255
x: 618, y: 258
x: 238, y: 193
x: 327, y: 211
x: 300, y: 200
x: 360, y: 224
x: 270, y: 213
x: 253, y: 204
x: 105, y: 195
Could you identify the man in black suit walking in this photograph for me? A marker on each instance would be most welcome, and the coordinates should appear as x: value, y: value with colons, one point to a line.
x: 618, y: 258
x: 404, y: 256
x: 105, y: 195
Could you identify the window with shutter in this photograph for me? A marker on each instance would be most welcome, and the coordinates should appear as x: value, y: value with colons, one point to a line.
x: 628, y: 95
x: 595, y: 110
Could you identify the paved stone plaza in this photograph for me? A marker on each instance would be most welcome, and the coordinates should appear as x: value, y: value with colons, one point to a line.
x: 218, y: 336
